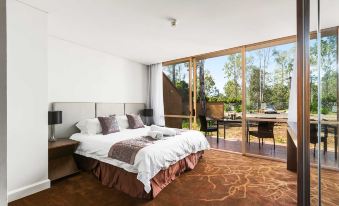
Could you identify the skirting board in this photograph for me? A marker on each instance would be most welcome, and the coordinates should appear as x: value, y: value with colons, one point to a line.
x: 28, y: 190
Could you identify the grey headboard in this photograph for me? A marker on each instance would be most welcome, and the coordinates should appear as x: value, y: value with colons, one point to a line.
x: 106, y: 109
x: 74, y: 112
x: 134, y: 108
x: 71, y: 114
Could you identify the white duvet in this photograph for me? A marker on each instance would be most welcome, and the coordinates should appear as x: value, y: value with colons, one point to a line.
x: 149, y: 160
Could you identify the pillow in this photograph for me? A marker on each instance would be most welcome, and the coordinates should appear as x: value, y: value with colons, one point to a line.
x: 109, y: 124
x: 89, y: 126
x: 122, y: 121
x: 134, y: 121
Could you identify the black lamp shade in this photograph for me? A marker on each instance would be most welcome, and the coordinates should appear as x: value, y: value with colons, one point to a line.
x: 54, y: 117
x: 148, y: 112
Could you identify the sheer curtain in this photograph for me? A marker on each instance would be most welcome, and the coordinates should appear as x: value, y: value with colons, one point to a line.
x: 155, y: 98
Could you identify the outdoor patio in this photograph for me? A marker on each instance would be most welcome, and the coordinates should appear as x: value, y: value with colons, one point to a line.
x: 280, y: 152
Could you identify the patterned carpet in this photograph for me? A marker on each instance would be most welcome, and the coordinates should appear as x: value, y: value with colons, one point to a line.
x: 220, y: 178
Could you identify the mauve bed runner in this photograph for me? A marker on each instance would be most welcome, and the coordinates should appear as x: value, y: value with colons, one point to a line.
x: 126, y: 150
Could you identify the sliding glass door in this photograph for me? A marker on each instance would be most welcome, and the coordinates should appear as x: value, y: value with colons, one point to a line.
x: 219, y: 94
x: 324, y: 102
x: 268, y: 81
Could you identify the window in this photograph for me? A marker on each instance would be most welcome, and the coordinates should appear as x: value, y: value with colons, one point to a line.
x: 176, y: 85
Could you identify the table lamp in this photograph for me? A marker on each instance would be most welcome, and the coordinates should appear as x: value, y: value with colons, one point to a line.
x: 54, y: 117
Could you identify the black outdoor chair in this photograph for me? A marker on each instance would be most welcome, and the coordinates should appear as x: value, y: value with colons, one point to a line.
x: 204, y: 127
x: 314, y: 137
x: 265, y: 130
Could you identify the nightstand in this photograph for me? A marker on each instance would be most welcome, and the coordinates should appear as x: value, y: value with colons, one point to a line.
x: 61, y: 161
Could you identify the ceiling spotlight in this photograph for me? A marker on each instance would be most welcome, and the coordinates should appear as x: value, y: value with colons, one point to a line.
x: 173, y: 22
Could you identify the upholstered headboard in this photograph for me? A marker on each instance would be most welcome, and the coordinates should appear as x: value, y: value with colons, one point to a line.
x: 73, y: 112
x: 134, y: 108
x: 106, y: 109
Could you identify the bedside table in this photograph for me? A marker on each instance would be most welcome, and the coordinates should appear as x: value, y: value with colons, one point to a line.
x: 61, y: 161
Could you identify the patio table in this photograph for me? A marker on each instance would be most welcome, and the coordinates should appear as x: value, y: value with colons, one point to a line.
x: 224, y: 122
x: 248, y: 120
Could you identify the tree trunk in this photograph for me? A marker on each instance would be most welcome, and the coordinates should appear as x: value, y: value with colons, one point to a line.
x: 202, y: 87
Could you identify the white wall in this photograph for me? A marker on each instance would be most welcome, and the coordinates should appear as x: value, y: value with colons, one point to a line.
x: 44, y: 69
x: 80, y: 74
x: 3, y: 105
x: 27, y: 153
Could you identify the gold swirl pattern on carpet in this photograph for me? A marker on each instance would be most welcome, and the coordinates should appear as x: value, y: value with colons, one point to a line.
x: 220, y: 178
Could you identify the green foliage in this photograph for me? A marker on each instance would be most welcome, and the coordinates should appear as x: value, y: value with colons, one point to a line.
x: 325, y: 110
x: 253, y: 91
x: 210, y: 88
x: 232, y: 67
x: 285, y: 60
x: 328, y: 72
x: 232, y: 90
x: 232, y: 87
x: 238, y: 108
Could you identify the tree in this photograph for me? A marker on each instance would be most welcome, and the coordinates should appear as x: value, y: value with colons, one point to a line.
x: 285, y: 61
x: 253, y: 87
x: 210, y: 89
x: 230, y: 90
x: 232, y: 70
x: 201, y: 66
x: 328, y: 71
x: 263, y: 56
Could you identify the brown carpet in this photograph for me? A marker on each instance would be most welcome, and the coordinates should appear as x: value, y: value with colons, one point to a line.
x: 219, y: 179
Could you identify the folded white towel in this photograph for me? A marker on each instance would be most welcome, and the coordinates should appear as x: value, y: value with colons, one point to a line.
x: 164, y: 130
x: 156, y: 134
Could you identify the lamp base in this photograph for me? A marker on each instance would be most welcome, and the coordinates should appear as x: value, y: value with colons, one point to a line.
x: 52, y: 139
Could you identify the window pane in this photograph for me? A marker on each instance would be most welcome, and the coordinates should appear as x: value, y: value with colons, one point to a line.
x: 176, y: 93
x: 268, y: 81
x: 221, y: 79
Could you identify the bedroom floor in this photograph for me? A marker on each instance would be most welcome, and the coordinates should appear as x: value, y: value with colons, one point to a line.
x: 220, y: 178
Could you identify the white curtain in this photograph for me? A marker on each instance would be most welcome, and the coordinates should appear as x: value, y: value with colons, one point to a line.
x: 155, y: 93
x: 292, y: 105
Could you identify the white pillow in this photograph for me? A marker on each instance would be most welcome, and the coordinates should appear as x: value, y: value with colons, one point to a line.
x: 89, y: 126
x: 122, y: 121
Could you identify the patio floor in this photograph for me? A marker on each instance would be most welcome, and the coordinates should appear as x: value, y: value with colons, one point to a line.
x: 234, y: 145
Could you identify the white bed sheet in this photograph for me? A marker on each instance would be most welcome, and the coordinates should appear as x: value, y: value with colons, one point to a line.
x: 149, y: 160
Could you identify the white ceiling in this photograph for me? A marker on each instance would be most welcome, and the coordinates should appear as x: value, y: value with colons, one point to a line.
x: 139, y: 29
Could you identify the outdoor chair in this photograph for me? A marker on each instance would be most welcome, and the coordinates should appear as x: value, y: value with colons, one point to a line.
x: 204, y: 127
x: 314, y: 137
x: 265, y: 130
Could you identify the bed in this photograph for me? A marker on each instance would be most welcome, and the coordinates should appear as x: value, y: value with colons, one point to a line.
x: 155, y: 166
